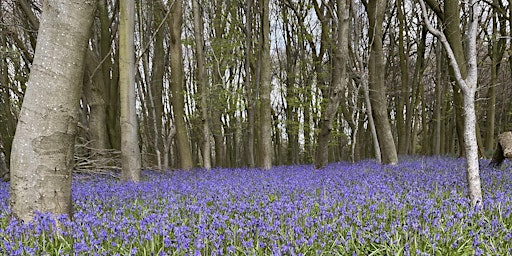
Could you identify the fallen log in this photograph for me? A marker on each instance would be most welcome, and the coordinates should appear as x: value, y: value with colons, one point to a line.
x: 503, y: 149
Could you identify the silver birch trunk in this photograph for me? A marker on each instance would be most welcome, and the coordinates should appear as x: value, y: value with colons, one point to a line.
x: 42, y: 153
x: 130, y: 152
x: 468, y: 86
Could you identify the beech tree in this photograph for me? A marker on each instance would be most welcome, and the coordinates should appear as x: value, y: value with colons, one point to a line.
x: 376, y: 10
x: 201, y: 81
x: 338, y: 83
x: 175, y: 23
x: 130, y: 153
x: 42, y: 153
x: 468, y: 85
x: 265, y: 133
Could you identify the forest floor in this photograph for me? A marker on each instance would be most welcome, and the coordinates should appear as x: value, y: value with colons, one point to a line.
x: 418, y: 207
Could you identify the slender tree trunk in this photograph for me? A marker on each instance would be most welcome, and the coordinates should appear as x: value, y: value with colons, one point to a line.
x: 339, y: 82
x: 376, y: 9
x: 250, y: 120
x: 42, y: 154
x: 155, y: 92
x: 497, y: 51
x: 292, y: 123
x: 7, y: 118
x: 404, y: 105
x: 94, y: 92
x: 467, y: 82
x: 130, y: 152
x: 371, y: 123
x: 249, y: 84
x: 110, y: 73
x: 453, y: 34
x: 265, y: 139
x: 439, y: 101
x: 201, y: 81
x: 177, y: 88
x: 218, y: 70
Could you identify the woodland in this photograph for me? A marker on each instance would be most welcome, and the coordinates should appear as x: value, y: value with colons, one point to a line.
x: 415, y: 91
x: 263, y: 127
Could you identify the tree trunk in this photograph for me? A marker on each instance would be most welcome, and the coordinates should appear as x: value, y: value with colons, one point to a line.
x: 110, y: 70
x: 376, y: 9
x: 265, y: 132
x: 503, y: 149
x: 292, y: 123
x: 130, y: 152
x: 468, y: 84
x: 177, y: 88
x: 497, y: 50
x: 201, y: 81
x: 7, y: 118
x: 42, y: 154
x: 4, y: 171
x: 157, y: 86
x: 453, y: 34
x: 438, y: 101
x: 94, y: 88
x: 248, y: 83
x: 339, y: 81
x: 404, y: 105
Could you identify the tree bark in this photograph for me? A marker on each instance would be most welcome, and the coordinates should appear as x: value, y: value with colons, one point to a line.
x: 130, y: 152
x: 201, y: 81
x: 42, y: 154
x: 497, y: 50
x: 339, y: 82
x: 7, y: 118
x: 451, y: 28
x: 94, y: 89
x: 404, y: 104
x: 110, y: 69
x: 177, y: 87
x: 468, y: 84
x: 265, y: 140
x: 248, y: 83
x: 376, y: 9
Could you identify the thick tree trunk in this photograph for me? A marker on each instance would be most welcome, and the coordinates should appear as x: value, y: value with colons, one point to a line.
x: 265, y: 139
x: 339, y: 81
x: 376, y: 10
x: 42, y: 154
